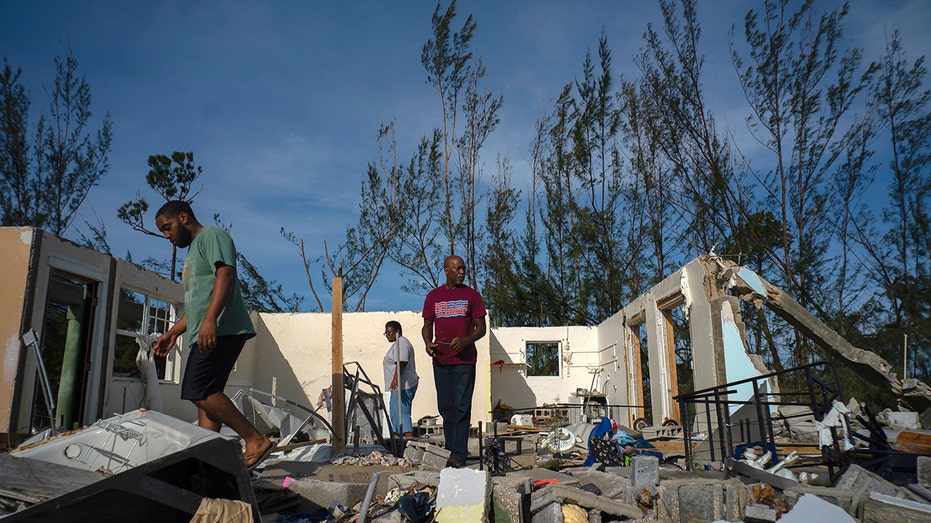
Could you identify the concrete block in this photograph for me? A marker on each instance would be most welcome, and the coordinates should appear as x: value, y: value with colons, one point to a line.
x: 924, y: 471
x: 902, y: 420
x: 737, y: 496
x: 431, y: 457
x: 863, y: 482
x: 701, y: 503
x: 551, y: 513
x: 463, y: 495
x: 323, y: 493
x: 645, y: 471
x: 509, y: 497
x: 667, y: 506
x: 758, y: 513
x: 859, y: 479
x: 413, y: 451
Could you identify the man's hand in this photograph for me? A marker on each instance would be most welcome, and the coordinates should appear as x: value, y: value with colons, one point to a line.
x: 431, y: 349
x: 456, y: 344
x: 207, y: 335
x: 164, y: 343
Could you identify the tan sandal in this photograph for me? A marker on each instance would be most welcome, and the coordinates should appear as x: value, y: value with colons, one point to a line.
x: 258, y: 456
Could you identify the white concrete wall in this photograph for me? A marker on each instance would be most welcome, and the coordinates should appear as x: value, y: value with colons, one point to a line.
x: 614, y: 360
x: 292, y: 357
x: 510, y: 383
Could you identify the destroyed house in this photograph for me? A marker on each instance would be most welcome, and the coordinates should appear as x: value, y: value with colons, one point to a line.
x: 90, y: 313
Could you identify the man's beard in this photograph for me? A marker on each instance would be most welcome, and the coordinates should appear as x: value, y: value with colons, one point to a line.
x: 184, y: 239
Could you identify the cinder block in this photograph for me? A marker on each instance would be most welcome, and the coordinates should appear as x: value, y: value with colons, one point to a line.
x: 759, y: 513
x: 645, y: 471
x: 413, y: 451
x: 737, y: 495
x: 552, y: 513
x: 701, y: 503
x: 431, y: 457
x: 463, y: 495
x: 924, y: 471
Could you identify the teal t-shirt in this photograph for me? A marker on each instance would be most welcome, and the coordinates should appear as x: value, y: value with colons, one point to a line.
x: 210, y: 246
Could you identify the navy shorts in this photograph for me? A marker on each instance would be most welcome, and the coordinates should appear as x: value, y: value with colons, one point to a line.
x: 206, y: 372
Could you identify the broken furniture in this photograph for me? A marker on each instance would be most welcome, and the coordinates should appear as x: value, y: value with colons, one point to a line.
x: 365, y: 398
x: 281, y: 417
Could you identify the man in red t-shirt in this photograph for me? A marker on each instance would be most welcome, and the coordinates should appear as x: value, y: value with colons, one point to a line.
x: 453, y: 320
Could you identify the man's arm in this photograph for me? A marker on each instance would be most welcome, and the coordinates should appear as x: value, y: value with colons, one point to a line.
x: 477, y: 332
x: 166, y: 341
x: 426, y: 332
x: 222, y: 290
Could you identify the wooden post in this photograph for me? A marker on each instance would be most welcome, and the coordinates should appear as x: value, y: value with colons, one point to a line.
x: 339, y: 396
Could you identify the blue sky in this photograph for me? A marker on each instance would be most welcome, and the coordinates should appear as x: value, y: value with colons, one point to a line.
x: 281, y: 101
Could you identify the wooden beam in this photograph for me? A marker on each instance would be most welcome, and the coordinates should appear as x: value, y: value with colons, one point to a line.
x: 339, y: 396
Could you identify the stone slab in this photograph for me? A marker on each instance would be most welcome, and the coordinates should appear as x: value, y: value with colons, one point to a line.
x: 879, y: 508
x: 558, y: 494
x: 611, y: 485
x: 416, y: 477
x: 323, y: 493
x: 846, y: 499
x: 759, y: 513
x: 811, y: 508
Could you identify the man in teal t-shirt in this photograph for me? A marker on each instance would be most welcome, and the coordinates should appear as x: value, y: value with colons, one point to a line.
x: 217, y: 323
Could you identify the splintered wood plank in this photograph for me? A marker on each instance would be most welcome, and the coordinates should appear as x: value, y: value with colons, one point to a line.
x: 40, y: 480
x: 916, y: 442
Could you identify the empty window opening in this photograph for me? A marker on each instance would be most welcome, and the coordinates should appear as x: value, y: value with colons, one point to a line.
x: 542, y: 358
x: 141, y: 314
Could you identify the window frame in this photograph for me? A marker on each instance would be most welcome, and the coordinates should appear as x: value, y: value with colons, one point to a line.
x: 172, y: 366
x: 536, y: 344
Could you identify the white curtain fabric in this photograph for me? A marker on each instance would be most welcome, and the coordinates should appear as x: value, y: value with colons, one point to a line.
x: 145, y: 360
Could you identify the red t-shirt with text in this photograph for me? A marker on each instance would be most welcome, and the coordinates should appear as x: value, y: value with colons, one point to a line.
x: 453, y: 312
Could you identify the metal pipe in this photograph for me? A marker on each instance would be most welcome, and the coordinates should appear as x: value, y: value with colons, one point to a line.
x: 369, y: 494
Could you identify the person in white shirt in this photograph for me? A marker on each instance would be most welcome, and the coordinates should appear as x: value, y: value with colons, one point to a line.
x: 401, y: 379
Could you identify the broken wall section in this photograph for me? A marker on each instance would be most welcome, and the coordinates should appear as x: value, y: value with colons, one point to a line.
x: 49, y: 279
